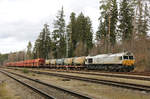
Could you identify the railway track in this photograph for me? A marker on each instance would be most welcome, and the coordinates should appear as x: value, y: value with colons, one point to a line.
x: 136, y: 77
x: 46, y: 90
x: 132, y: 86
x: 126, y: 76
x: 122, y: 75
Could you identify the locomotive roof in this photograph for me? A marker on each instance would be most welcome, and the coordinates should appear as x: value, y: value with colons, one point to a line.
x: 111, y: 55
x: 117, y: 54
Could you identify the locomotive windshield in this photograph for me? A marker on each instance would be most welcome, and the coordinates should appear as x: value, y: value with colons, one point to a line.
x: 128, y: 57
x: 131, y: 57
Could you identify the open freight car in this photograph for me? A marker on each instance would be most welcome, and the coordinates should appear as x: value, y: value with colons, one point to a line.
x: 27, y: 63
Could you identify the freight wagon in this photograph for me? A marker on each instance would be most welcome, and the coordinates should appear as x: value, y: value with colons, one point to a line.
x: 27, y: 63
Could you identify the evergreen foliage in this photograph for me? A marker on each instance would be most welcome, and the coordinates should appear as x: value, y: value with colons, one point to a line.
x: 59, y: 36
x: 113, y: 23
x: 43, y: 44
x: 80, y: 34
x: 142, y: 19
x: 107, y: 30
x: 126, y: 20
x: 29, y: 51
x: 3, y: 58
x: 84, y: 33
x: 72, y: 35
x: 146, y: 24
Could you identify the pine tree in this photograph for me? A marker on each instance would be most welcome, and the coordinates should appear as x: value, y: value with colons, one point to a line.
x: 47, y: 42
x: 101, y: 33
x: 29, y: 51
x: 80, y: 34
x: 146, y: 25
x: 107, y: 29
x: 142, y: 19
x: 59, y: 36
x: 71, y: 35
x: 43, y: 44
x: 126, y: 19
x: 113, y: 23
x: 84, y: 33
x: 89, y: 35
x: 35, y: 48
x: 80, y: 28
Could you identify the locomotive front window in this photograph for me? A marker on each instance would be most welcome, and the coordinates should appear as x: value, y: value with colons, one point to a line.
x: 131, y: 57
x: 90, y: 60
x: 125, y: 57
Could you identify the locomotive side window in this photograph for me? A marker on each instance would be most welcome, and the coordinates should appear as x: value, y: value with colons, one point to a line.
x: 90, y: 60
x: 120, y: 58
x: 125, y: 57
x: 131, y: 57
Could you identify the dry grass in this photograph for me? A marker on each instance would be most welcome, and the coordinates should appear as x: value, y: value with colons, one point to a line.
x: 142, y: 54
x: 4, y: 93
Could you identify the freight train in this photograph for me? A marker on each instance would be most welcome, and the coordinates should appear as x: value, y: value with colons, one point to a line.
x: 108, y: 62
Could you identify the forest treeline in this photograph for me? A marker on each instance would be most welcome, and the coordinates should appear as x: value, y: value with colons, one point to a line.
x: 123, y: 26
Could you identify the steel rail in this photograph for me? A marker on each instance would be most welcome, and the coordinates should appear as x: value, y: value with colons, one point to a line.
x: 29, y: 86
x: 136, y: 77
x: 113, y: 75
x: 98, y: 81
x: 81, y: 96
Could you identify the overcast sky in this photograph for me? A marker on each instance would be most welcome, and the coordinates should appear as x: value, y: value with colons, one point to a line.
x: 22, y: 20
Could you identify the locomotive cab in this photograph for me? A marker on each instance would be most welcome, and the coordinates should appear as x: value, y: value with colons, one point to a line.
x: 89, y: 60
x: 128, y: 59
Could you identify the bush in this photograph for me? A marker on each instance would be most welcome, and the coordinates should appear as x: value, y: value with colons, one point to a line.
x: 25, y: 71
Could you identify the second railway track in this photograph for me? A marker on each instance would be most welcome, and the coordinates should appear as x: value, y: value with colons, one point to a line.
x: 132, y: 86
x: 126, y: 76
x: 47, y: 90
x: 136, y: 77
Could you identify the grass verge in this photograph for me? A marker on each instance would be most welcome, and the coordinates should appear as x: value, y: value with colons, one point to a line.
x: 4, y: 93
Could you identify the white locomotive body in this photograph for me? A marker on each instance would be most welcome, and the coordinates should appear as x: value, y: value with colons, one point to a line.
x: 120, y: 62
